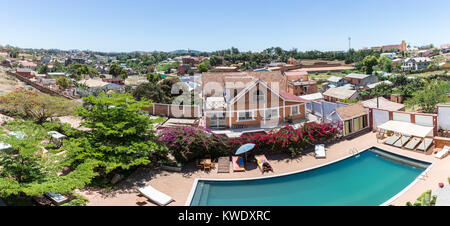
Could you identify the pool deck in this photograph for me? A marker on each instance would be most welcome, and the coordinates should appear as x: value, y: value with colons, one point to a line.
x: 179, y: 185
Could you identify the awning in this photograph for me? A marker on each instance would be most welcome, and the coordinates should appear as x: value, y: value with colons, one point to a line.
x: 406, y: 128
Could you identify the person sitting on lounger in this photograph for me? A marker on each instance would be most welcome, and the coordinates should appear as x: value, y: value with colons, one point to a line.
x: 267, y: 167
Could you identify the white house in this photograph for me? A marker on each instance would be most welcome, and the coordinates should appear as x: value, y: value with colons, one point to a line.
x: 389, y: 55
x: 416, y: 63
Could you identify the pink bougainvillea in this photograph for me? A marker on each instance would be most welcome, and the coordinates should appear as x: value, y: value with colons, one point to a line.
x: 290, y: 139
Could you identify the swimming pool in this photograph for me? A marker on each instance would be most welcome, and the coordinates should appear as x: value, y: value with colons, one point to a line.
x: 369, y: 179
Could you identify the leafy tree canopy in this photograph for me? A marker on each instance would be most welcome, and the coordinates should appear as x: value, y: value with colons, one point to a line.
x: 28, y: 170
x: 120, y: 135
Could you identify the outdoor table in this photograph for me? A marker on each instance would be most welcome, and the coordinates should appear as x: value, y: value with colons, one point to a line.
x: 205, y: 162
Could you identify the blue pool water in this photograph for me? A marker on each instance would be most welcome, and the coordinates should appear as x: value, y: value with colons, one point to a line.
x: 369, y: 179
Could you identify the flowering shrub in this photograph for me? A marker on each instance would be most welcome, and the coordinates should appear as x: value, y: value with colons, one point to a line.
x: 289, y: 139
x: 189, y: 143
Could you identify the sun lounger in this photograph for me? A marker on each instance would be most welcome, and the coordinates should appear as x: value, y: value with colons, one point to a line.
x: 320, y: 151
x: 425, y: 144
x: 263, y: 163
x: 238, y: 164
x: 413, y: 143
x: 391, y: 140
x: 223, y: 165
x: 4, y: 146
x: 155, y: 195
x: 402, y: 141
x: 56, y: 199
x: 443, y: 153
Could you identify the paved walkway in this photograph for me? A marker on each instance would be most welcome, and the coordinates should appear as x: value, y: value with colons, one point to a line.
x: 179, y: 185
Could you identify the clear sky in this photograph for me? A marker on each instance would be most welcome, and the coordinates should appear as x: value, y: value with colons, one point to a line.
x: 166, y: 25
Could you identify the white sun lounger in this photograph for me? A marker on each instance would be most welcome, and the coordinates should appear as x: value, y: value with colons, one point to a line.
x: 56, y: 198
x: 391, y: 140
x: 4, y: 146
x: 402, y: 141
x: 425, y: 144
x: 320, y: 151
x: 413, y: 143
x: 155, y: 195
x: 443, y: 153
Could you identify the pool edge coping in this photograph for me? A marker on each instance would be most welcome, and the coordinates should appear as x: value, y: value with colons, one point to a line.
x: 194, y: 185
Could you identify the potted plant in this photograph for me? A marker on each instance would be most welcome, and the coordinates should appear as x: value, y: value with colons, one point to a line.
x: 388, y: 133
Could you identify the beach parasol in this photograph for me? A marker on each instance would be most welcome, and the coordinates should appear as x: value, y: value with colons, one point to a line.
x: 244, y: 149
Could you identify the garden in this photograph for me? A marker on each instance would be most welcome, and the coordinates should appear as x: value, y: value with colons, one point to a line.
x: 118, y: 138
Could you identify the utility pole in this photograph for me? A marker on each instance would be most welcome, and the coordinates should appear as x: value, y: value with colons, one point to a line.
x: 349, y: 43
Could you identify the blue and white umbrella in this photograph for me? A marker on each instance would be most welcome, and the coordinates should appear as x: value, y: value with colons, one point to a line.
x: 245, y: 148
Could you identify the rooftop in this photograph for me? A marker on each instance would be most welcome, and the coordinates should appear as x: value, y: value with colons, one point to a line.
x: 373, y: 85
x: 290, y: 97
x: 357, y: 76
x: 383, y: 104
x: 351, y: 111
x: 340, y: 93
x: 334, y: 78
x: 313, y: 96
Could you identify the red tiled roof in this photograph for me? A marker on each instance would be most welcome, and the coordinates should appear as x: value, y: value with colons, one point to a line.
x: 291, y: 97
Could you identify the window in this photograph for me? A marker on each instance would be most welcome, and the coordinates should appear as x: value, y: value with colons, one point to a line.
x: 245, y: 116
x: 271, y: 113
x: 217, y: 120
x: 295, y: 110
x: 258, y: 96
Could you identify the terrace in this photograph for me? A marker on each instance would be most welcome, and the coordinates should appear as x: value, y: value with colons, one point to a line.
x: 178, y: 185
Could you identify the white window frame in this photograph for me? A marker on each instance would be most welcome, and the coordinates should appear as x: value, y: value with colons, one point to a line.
x: 259, y: 98
x: 298, y: 110
x: 272, y: 109
x: 245, y: 120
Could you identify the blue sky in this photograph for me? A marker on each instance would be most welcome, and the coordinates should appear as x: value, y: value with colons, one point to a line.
x: 147, y: 25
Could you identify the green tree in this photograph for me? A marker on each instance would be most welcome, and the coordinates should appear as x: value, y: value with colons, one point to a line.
x: 118, y: 72
x: 154, y: 77
x: 80, y: 71
x: 433, y: 93
x: 202, y: 68
x: 167, y: 84
x: 42, y: 69
x: 120, y: 135
x: 151, y: 91
x: 63, y: 82
x: 382, y: 89
x: 385, y: 64
x: 28, y: 171
x: 368, y: 63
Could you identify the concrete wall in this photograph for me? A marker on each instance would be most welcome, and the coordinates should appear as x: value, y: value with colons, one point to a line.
x: 378, y: 117
x: 444, y: 117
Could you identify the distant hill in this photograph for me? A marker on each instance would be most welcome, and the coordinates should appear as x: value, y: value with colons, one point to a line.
x: 181, y: 51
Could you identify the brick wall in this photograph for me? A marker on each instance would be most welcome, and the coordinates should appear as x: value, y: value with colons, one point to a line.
x: 175, y: 111
x: 40, y: 87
